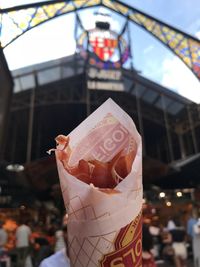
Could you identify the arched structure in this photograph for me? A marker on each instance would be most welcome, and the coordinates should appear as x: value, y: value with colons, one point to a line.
x: 17, y: 20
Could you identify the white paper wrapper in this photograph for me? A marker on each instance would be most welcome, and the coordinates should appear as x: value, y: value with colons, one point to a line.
x: 104, y: 229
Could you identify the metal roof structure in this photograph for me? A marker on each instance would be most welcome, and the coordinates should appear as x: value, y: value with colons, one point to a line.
x: 135, y: 84
x: 21, y: 19
x: 59, y: 103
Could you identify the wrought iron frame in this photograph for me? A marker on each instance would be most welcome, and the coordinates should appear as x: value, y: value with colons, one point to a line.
x: 21, y: 19
x: 63, y: 93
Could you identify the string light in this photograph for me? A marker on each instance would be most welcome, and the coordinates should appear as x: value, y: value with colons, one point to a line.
x: 179, y: 194
x: 144, y: 200
x: 168, y: 203
x: 15, y: 168
x: 162, y: 195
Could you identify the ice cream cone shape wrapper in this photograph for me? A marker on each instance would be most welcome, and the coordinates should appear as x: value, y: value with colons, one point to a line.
x: 100, y: 170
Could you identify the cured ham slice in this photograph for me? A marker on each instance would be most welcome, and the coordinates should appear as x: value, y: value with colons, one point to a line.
x: 104, y: 157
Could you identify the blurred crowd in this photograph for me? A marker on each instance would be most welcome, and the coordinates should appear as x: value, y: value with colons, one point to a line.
x: 30, y: 243
x: 177, y: 243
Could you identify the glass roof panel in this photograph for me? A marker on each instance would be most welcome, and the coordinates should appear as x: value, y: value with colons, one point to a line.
x: 139, y: 89
x: 150, y: 96
x: 24, y: 82
x: 163, y: 102
x: 49, y: 75
x: 175, y: 108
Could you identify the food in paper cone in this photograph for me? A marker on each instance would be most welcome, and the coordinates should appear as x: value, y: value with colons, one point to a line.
x: 104, y: 157
x: 99, y: 167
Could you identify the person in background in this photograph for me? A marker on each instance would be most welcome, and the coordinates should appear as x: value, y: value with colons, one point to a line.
x: 61, y: 257
x: 196, y: 244
x: 171, y: 224
x: 59, y: 235
x: 154, y: 230
x: 3, y: 236
x: 190, y: 223
x: 4, y: 258
x: 192, y: 220
x: 22, y: 235
x: 167, y: 252
x: 59, y: 239
x: 179, y: 244
x: 147, y: 245
x: 40, y: 244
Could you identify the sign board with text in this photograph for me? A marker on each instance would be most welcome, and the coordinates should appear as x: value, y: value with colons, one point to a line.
x: 100, y: 79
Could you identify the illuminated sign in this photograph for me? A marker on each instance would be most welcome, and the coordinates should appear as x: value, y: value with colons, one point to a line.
x: 128, y: 247
x: 103, y: 43
x: 107, y: 49
x: 105, y: 80
x: 104, y: 74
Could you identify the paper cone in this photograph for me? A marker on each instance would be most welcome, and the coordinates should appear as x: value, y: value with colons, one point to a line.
x: 104, y: 227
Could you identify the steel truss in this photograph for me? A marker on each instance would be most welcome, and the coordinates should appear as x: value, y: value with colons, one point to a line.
x: 62, y: 92
x: 16, y: 21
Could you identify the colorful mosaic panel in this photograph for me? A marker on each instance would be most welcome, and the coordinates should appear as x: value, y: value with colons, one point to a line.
x: 15, y: 23
x: 195, y: 52
x: 184, y: 46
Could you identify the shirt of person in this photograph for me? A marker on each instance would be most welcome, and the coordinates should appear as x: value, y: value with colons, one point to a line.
x: 178, y: 234
x: 23, y: 233
x: 3, y: 237
x: 58, y: 259
x: 190, y: 226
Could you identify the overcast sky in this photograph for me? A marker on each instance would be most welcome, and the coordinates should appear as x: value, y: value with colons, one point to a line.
x: 54, y: 39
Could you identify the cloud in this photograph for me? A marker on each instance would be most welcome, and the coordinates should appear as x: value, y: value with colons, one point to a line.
x: 11, y: 3
x: 42, y: 43
x: 180, y: 79
x: 198, y: 35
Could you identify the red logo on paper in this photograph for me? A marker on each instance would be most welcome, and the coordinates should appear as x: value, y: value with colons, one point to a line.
x: 128, y: 247
x: 103, y: 47
x: 103, y: 142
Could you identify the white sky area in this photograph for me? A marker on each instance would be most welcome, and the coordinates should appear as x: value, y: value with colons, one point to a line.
x: 176, y: 75
x: 54, y: 39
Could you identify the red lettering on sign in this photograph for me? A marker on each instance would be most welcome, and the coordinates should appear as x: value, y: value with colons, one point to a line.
x: 128, y: 251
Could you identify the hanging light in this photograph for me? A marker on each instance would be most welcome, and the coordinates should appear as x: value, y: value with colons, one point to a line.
x: 162, y: 194
x: 153, y: 211
x: 144, y: 201
x: 168, y: 203
x: 15, y: 167
x: 179, y: 194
